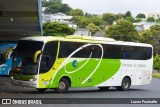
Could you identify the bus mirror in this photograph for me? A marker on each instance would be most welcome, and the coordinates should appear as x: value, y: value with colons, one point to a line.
x: 7, y: 53
x: 36, y: 55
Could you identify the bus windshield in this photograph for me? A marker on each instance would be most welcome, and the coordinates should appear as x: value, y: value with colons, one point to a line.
x: 23, y: 57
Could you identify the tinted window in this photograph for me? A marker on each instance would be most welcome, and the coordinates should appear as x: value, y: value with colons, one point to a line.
x: 66, y: 48
x: 29, y: 45
x: 48, y: 56
x: 110, y: 51
x: 127, y: 52
x: 137, y: 53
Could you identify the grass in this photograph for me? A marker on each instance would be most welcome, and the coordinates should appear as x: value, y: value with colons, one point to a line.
x: 156, y: 75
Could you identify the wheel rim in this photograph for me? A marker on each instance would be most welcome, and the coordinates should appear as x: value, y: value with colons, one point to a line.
x: 125, y: 84
x: 62, y: 85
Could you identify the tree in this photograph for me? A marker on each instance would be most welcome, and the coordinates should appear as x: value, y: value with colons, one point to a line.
x: 155, y: 30
x: 124, y: 30
x: 55, y: 7
x: 141, y: 15
x: 156, y: 63
x: 146, y: 37
x: 128, y: 14
x: 93, y: 28
x: 150, y: 19
x: 132, y: 19
x: 57, y: 29
x: 76, y: 12
x: 88, y: 15
x: 81, y: 21
x: 120, y: 16
x: 84, y: 22
x: 138, y: 20
x: 158, y: 20
x: 96, y: 20
x: 108, y: 18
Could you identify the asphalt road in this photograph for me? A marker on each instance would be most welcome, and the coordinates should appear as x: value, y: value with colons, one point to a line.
x: 147, y: 91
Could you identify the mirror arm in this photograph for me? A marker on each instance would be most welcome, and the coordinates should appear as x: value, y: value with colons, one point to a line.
x: 7, y: 53
x: 36, y: 55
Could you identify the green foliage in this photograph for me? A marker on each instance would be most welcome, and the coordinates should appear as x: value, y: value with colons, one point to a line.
x: 109, y: 18
x: 120, y: 16
x: 152, y: 36
x: 150, y: 19
x: 76, y: 12
x: 128, y: 14
x: 132, y: 19
x: 124, y: 30
x: 57, y: 29
x: 156, y: 75
x: 146, y: 37
x: 56, y: 6
x: 98, y: 21
x: 156, y: 63
x: 93, y: 28
x: 158, y: 20
x: 88, y: 15
x: 155, y: 29
x: 138, y: 20
x: 141, y: 15
x: 82, y: 22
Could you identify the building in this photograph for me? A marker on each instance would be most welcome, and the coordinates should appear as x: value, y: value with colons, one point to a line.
x: 82, y: 32
x: 99, y: 34
x: 154, y: 15
x: 141, y: 26
x: 59, y: 17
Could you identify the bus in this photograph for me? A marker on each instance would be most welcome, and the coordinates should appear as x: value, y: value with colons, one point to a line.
x: 77, y: 61
x: 5, y: 58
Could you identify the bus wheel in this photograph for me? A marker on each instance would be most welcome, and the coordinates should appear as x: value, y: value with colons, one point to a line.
x: 63, y: 86
x: 126, y: 83
x: 41, y: 89
x: 103, y: 88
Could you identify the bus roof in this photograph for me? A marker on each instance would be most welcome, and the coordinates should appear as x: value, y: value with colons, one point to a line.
x: 88, y: 39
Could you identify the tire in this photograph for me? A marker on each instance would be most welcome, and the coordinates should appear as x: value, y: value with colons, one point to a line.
x: 63, y: 86
x: 126, y: 83
x: 41, y: 90
x: 103, y: 88
x: 10, y: 73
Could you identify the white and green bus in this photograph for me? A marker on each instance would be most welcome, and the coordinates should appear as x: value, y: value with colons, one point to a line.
x: 76, y: 61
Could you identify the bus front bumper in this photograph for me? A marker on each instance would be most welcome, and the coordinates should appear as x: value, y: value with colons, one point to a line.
x: 31, y: 84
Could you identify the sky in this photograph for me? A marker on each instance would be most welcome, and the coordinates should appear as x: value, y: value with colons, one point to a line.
x: 116, y: 6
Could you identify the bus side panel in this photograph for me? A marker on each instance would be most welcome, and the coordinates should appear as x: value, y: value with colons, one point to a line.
x: 139, y: 71
x: 87, y: 74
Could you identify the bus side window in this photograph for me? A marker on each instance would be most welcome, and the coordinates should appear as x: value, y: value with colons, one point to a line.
x: 45, y: 62
x: 48, y: 56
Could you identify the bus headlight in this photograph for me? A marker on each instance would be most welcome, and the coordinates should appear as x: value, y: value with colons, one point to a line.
x: 34, y: 79
x: 11, y: 77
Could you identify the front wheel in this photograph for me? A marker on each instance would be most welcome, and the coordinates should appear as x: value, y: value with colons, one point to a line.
x: 126, y: 83
x: 63, y: 86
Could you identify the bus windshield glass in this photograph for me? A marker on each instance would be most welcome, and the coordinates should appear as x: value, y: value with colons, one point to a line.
x: 23, y: 57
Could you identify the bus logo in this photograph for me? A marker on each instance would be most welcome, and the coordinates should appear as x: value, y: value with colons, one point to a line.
x: 6, y: 101
x: 75, y: 64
